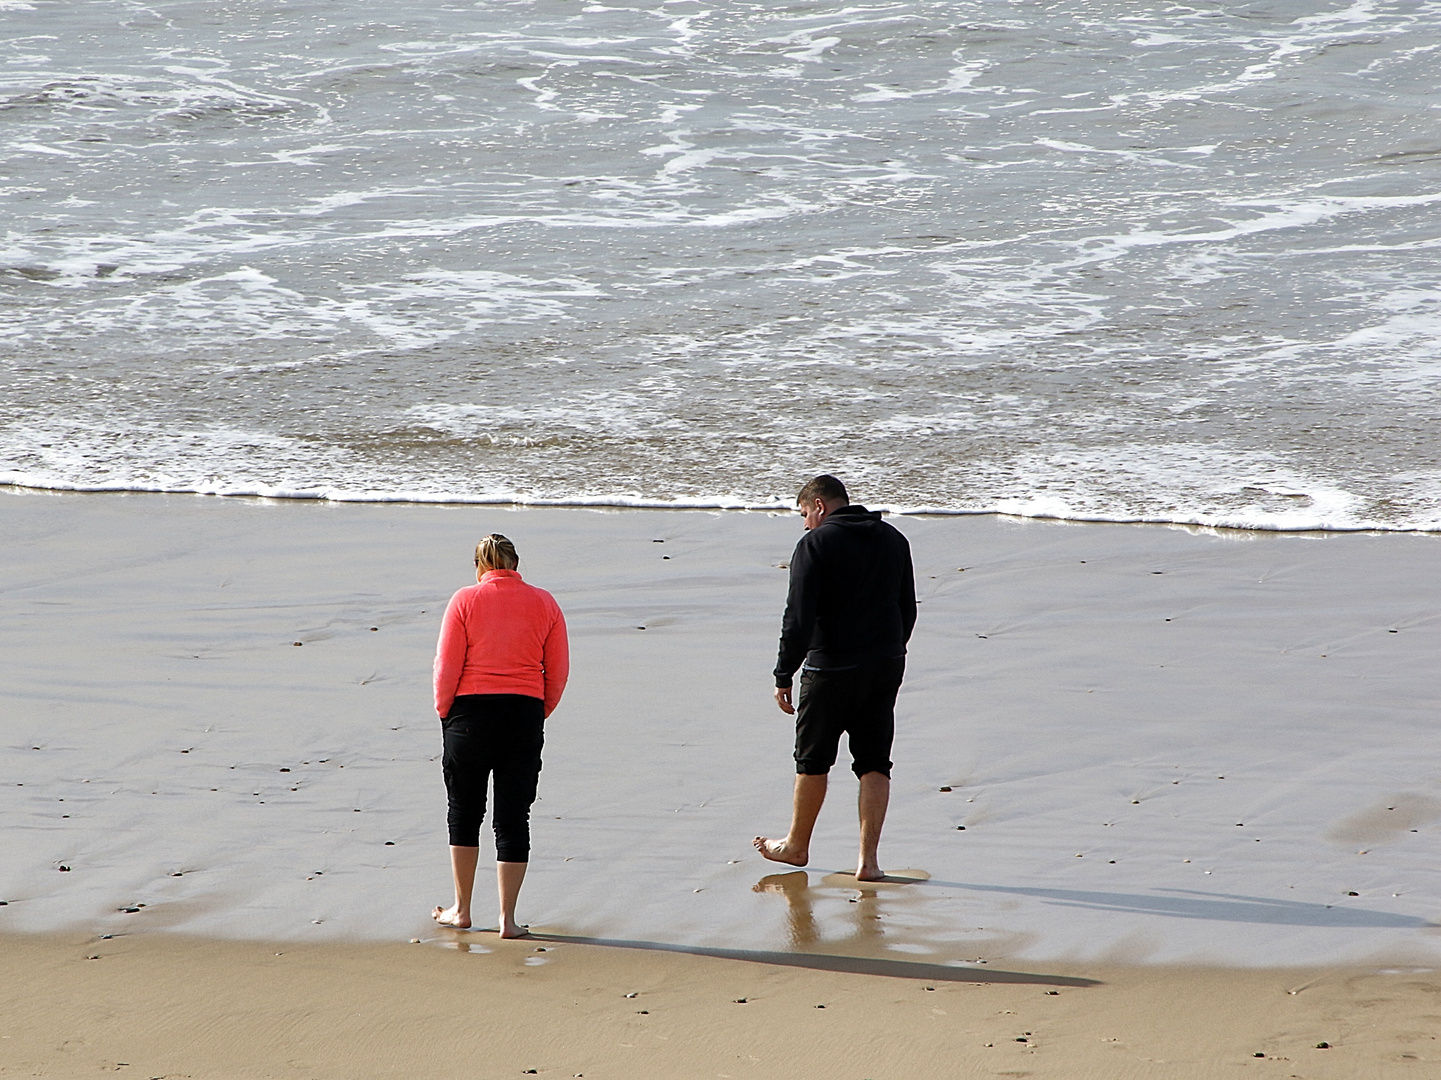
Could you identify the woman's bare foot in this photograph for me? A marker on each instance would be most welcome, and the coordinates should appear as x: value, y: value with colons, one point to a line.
x: 509, y: 928
x: 452, y: 916
x: 870, y: 872
x: 777, y: 851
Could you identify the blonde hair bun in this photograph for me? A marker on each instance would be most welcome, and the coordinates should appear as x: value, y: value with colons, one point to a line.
x: 496, y: 552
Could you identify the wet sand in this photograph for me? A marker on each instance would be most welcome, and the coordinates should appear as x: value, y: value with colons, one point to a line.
x: 1160, y: 746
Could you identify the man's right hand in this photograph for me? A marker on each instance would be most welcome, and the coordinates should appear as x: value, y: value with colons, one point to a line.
x: 783, y: 699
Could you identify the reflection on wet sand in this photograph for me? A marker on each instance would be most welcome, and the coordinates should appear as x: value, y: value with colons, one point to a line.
x: 801, y: 932
x: 801, y: 928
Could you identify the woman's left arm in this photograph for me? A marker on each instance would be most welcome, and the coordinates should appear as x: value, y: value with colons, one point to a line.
x: 556, y: 661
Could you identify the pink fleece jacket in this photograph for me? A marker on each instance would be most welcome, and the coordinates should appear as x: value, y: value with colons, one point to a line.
x: 501, y: 636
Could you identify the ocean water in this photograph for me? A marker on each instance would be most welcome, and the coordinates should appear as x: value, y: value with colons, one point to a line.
x: 1172, y: 262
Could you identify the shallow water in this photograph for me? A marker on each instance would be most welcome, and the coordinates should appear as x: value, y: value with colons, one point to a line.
x: 1173, y: 262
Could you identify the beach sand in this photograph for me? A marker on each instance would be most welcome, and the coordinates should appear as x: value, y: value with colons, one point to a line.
x: 171, y: 1006
x: 1198, y: 767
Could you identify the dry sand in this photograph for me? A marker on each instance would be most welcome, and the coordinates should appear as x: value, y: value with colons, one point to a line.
x: 168, y: 1006
x: 1197, y: 767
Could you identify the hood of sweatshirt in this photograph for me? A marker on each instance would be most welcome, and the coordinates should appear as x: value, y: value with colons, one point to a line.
x: 853, y: 516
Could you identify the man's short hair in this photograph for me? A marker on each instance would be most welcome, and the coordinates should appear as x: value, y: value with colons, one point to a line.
x: 825, y: 487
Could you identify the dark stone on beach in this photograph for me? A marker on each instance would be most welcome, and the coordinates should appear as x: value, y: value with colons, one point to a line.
x: 4, y: 903
x: 129, y: 910
x: 642, y: 1012
x: 1323, y: 1046
x: 374, y: 628
x: 960, y: 828
x: 945, y: 789
x: 1353, y: 894
x: 640, y: 627
x: 740, y: 1001
x: 1258, y: 1054
x: 284, y: 770
x: 390, y: 843
x: 1020, y: 1038
x: 65, y: 869
x: 1053, y: 993
x: 297, y: 644
x: 820, y: 1006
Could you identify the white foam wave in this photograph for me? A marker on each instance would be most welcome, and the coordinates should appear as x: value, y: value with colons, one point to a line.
x: 1277, y: 214
x: 958, y: 81
x: 1044, y: 508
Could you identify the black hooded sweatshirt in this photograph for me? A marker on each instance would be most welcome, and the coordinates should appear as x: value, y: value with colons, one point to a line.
x: 852, y: 595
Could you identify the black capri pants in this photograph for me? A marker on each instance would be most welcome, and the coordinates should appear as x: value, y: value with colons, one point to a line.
x: 499, y: 734
x: 860, y: 701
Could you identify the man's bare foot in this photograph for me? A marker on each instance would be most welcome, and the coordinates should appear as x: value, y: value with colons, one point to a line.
x: 870, y: 872
x: 509, y: 928
x: 777, y: 851
x: 452, y: 916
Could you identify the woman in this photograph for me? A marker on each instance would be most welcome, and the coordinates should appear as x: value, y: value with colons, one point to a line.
x: 500, y: 668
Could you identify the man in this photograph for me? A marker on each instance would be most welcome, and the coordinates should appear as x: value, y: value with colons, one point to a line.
x: 849, y: 614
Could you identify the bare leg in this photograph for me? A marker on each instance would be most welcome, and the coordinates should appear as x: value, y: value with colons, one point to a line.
x: 508, y: 876
x: 462, y: 869
x: 874, y: 797
x: 795, y: 849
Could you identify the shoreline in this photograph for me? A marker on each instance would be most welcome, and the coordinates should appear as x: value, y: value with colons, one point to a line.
x: 617, y: 503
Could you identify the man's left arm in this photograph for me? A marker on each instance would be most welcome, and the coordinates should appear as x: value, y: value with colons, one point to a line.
x: 906, y: 595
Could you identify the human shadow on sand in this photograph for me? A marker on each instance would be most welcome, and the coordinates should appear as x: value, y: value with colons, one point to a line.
x: 855, y: 965
x: 1220, y: 907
